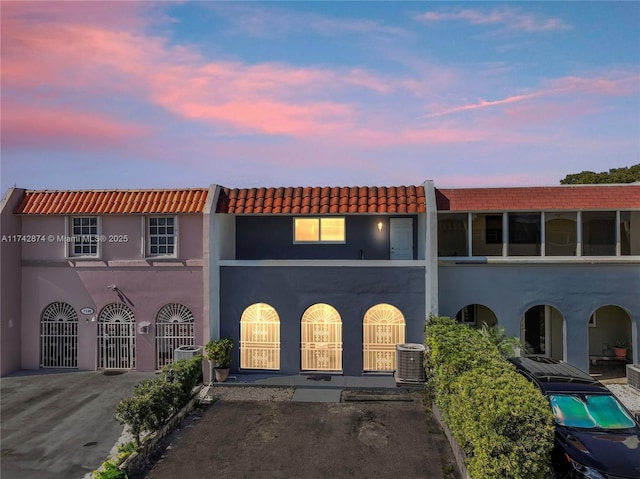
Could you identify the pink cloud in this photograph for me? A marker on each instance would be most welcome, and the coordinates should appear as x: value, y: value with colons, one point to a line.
x: 269, y: 117
x: 511, y: 19
x: 35, y: 126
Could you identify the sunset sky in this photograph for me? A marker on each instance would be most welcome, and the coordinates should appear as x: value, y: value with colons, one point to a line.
x: 184, y: 94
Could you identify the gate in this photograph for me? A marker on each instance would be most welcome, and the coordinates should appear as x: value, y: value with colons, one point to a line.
x: 382, y: 328
x: 59, y: 336
x: 116, y: 337
x: 321, y: 341
x: 260, y: 338
x: 174, y: 328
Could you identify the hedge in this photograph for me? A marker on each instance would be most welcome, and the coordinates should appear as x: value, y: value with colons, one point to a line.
x: 500, y: 419
x: 156, y: 399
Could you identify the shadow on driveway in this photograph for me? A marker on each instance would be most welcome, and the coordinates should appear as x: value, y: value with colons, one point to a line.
x: 60, y: 425
x: 250, y: 439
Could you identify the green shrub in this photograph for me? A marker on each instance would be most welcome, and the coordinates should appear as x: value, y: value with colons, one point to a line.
x: 109, y: 470
x: 156, y: 399
x: 186, y: 373
x: 498, y: 417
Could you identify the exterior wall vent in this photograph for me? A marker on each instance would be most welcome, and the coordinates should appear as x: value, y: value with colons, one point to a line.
x: 409, y: 361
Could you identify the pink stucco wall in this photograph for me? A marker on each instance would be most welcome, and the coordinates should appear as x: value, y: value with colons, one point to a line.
x: 10, y: 280
x: 147, y: 289
x: 48, y: 275
x: 123, y: 238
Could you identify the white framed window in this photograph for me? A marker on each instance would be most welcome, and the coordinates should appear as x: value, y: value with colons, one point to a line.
x: 161, y: 236
x: 319, y: 230
x: 83, y: 236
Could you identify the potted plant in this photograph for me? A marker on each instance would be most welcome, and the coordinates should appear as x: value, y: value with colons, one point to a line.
x: 218, y: 351
x: 620, y: 350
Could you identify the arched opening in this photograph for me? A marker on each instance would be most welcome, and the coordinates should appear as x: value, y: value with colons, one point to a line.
x: 59, y: 336
x: 476, y: 315
x: 541, y: 330
x: 321, y: 339
x: 174, y: 328
x: 260, y: 337
x: 116, y: 337
x: 383, y: 327
x: 610, y: 342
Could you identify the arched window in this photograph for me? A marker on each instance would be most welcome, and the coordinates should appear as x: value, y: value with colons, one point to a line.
x: 116, y: 337
x: 174, y: 328
x: 260, y: 337
x: 321, y: 341
x: 59, y: 336
x: 383, y: 327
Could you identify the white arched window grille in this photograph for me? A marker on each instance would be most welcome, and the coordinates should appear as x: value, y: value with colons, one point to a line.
x: 174, y: 328
x: 383, y: 327
x: 321, y: 341
x: 116, y: 337
x: 260, y: 337
x: 59, y: 336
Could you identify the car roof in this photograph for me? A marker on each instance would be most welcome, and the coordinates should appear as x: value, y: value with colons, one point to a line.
x: 551, y: 374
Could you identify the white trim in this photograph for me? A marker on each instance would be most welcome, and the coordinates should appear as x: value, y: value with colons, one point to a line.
x: 444, y: 261
x: 69, y: 233
x: 147, y: 242
x: 335, y: 263
x: 319, y: 218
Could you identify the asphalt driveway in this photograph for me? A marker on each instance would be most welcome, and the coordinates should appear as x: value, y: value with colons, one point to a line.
x: 60, y: 426
x: 265, y: 439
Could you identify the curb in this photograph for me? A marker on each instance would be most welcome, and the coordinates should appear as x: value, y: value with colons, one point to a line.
x: 137, y: 462
x: 458, y: 453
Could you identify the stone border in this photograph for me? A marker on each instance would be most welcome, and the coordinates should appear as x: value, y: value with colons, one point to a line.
x: 458, y: 453
x: 137, y: 462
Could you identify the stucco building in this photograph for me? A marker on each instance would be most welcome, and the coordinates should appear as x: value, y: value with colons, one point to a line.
x: 309, y: 279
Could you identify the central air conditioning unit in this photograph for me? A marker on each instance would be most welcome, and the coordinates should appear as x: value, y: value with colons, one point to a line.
x: 409, y: 363
x: 633, y: 375
x: 186, y: 352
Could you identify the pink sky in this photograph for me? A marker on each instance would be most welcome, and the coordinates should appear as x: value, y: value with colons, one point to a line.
x: 84, y: 82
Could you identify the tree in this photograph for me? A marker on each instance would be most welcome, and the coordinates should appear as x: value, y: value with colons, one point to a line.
x: 625, y: 174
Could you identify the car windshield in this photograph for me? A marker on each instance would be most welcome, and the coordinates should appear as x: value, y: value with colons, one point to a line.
x: 589, y: 411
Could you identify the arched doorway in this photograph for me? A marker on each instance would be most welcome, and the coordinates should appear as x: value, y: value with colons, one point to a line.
x: 116, y: 337
x: 59, y: 336
x: 383, y: 327
x: 260, y: 337
x: 476, y: 315
x: 610, y: 327
x: 541, y: 330
x: 321, y: 339
x: 174, y: 328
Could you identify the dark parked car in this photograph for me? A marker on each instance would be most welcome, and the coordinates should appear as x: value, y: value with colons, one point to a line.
x: 596, y: 436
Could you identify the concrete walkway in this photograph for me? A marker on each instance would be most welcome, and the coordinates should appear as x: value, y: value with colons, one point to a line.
x: 320, y: 387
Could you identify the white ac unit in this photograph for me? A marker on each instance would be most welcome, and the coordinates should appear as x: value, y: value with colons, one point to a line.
x: 186, y: 352
x: 409, y: 363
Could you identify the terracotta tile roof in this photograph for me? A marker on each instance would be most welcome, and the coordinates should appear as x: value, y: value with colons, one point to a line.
x: 322, y: 200
x: 113, y: 202
x: 582, y: 197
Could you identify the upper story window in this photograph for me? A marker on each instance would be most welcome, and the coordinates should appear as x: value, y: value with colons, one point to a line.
x: 452, y: 234
x: 524, y: 234
x: 630, y: 232
x: 486, y: 234
x: 546, y: 233
x: 162, y: 236
x: 598, y: 233
x: 84, y: 236
x: 561, y: 234
x: 319, y: 230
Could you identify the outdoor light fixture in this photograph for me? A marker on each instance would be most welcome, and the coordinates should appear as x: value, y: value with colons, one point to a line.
x: 379, y: 225
x: 112, y: 287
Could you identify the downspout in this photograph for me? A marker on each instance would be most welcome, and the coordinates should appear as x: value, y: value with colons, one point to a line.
x: 431, y: 250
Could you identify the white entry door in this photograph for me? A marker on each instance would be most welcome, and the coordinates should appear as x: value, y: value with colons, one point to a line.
x: 401, y: 238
